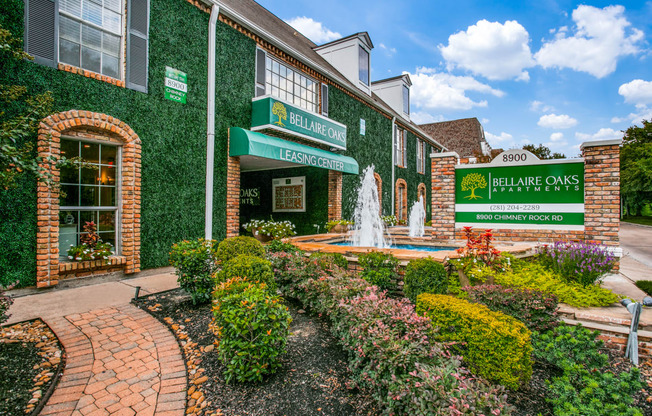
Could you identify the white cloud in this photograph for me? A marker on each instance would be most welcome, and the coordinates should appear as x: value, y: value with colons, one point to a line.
x: 601, y: 36
x: 637, y: 92
x: 423, y: 117
x: 313, y: 30
x: 491, y: 49
x: 436, y: 90
x: 484, y: 121
x: 501, y: 140
x: 556, y: 137
x: 554, y: 121
x: 602, y: 134
x: 389, y: 51
x: 540, y: 107
x: 643, y: 113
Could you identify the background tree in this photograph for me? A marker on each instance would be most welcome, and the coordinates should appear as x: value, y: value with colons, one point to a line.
x: 636, y: 168
x: 543, y: 152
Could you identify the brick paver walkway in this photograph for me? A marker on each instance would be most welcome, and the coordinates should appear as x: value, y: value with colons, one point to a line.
x: 120, y: 361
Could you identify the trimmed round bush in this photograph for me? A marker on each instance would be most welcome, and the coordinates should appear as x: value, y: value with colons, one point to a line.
x: 252, y: 326
x: 380, y: 269
x: 234, y: 246
x: 251, y: 268
x: 195, y: 263
x: 327, y: 260
x: 424, y: 276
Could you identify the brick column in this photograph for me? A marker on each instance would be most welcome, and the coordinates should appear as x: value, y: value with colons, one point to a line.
x: 334, y: 195
x: 443, y: 195
x: 602, y: 191
x: 232, y: 196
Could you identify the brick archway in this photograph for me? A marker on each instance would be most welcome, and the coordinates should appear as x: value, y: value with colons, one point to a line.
x: 99, y: 127
x: 401, y: 198
x: 379, y: 187
x: 421, y: 191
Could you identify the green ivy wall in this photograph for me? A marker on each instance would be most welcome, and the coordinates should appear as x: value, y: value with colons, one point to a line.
x: 173, y: 135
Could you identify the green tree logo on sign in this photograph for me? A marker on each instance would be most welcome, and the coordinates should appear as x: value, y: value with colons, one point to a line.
x: 471, y: 182
x: 278, y: 109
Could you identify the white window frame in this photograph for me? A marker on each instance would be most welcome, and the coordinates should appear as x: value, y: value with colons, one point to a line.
x: 269, y: 88
x: 406, y: 100
x: 120, y: 33
x: 118, y: 197
x: 421, y: 156
x: 360, y: 50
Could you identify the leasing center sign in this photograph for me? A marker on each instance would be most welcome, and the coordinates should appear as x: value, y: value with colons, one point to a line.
x: 270, y: 113
x: 519, y: 191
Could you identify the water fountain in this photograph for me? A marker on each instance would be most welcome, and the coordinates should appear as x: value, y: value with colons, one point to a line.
x: 417, y: 218
x: 369, y: 228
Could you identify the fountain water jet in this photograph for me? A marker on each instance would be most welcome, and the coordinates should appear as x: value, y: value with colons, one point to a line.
x: 369, y: 228
x: 417, y: 218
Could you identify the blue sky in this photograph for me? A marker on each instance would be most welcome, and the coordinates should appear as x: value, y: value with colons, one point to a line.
x: 552, y: 72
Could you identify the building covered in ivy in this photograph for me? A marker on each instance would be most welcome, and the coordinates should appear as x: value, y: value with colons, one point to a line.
x: 196, y: 116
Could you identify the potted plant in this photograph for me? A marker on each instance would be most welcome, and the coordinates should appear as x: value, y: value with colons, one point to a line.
x: 266, y: 230
x: 338, y: 226
x: 91, y: 247
x: 389, y: 220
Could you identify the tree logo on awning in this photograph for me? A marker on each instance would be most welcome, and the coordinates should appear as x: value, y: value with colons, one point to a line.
x: 278, y: 109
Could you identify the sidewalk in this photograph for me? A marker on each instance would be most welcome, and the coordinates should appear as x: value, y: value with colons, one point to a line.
x: 119, y: 359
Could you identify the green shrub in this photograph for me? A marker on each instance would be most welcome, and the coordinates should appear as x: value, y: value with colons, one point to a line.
x: 645, y: 286
x: 380, y: 269
x: 537, y: 277
x: 252, y: 268
x: 497, y: 346
x: 327, y: 260
x: 586, y: 386
x: 424, y: 276
x: 537, y: 310
x: 276, y: 246
x: 195, y: 263
x: 252, y: 326
x: 234, y: 246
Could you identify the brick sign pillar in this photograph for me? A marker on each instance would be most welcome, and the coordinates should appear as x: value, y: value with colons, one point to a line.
x: 232, y: 196
x: 443, y: 195
x: 334, y: 195
x: 602, y: 191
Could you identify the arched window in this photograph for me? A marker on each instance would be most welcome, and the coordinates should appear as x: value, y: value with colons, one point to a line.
x: 401, y: 200
x: 379, y: 186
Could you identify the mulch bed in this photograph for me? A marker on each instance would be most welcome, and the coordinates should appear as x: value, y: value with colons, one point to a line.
x: 30, y: 357
x: 313, y: 378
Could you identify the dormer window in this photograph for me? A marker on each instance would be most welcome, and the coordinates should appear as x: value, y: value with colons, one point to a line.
x: 406, y: 100
x: 363, y: 64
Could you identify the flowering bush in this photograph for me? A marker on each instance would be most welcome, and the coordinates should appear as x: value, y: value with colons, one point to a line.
x: 91, y: 247
x: 274, y: 229
x: 380, y: 269
x: 389, y: 220
x: 481, y: 249
x: 328, y: 260
x: 537, y: 310
x: 195, y: 262
x: 252, y: 327
x: 537, y: 277
x: 581, y: 262
x: 391, y: 352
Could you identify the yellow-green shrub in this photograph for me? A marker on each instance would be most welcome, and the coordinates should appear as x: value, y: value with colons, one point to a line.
x: 498, y: 347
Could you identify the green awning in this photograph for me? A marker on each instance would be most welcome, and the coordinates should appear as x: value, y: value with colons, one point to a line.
x: 248, y: 143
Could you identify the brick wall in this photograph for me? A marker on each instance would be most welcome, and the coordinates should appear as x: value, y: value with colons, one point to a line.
x: 334, y: 195
x: 86, y: 124
x: 232, y: 196
x: 601, y: 199
x: 442, y: 168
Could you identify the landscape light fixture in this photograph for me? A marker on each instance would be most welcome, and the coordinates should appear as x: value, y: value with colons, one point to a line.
x: 632, y: 341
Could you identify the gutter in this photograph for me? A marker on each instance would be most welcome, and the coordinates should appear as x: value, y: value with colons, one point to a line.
x: 210, y: 127
x: 393, y: 161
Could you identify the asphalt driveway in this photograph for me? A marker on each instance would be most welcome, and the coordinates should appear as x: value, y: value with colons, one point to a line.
x: 636, y: 242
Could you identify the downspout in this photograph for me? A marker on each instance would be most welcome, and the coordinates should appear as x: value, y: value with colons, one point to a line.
x: 393, y: 163
x: 210, y: 128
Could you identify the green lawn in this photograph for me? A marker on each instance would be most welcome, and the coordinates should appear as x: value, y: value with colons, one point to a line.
x: 638, y: 220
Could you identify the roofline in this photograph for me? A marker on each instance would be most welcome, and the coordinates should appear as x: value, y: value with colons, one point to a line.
x: 336, y: 77
x: 345, y: 38
x: 402, y: 76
